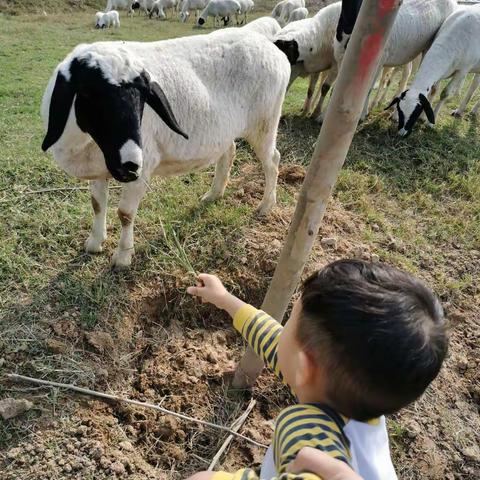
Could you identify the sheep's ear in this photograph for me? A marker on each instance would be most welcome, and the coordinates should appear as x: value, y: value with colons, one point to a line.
x: 60, y: 104
x: 158, y: 101
x: 395, y: 101
x: 427, y: 108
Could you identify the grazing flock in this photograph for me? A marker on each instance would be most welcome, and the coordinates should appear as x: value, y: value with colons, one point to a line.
x: 132, y: 110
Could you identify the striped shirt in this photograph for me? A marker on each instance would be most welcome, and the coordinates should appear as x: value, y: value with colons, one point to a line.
x: 297, y: 426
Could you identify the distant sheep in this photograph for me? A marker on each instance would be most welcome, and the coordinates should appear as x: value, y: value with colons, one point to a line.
x: 282, y: 10
x: 219, y: 9
x: 188, y: 5
x: 119, y: 5
x: 132, y: 110
x: 160, y: 7
x: 298, y: 14
x: 143, y: 5
x: 245, y: 7
x: 107, y: 20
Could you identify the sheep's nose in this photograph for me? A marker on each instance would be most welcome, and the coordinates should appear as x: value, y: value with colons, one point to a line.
x: 130, y: 167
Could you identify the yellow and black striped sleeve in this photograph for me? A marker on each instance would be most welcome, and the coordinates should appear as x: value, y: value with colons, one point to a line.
x: 249, y: 474
x: 309, y: 425
x: 261, y: 332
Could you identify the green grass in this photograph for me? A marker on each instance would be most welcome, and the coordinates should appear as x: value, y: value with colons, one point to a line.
x: 424, y: 191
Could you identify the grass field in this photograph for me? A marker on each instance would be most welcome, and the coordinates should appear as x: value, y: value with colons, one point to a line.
x: 65, y: 316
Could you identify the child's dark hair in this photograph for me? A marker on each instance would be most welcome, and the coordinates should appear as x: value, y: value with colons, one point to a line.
x: 379, y: 333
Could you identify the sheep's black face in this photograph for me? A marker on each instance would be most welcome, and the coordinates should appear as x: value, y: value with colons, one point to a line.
x: 135, y: 5
x: 290, y: 49
x: 201, y: 21
x: 110, y: 114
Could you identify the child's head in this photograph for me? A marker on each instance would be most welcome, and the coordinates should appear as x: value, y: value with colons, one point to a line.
x: 376, y: 335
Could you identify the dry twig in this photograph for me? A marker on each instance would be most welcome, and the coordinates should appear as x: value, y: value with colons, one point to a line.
x: 235, y: 428
x: 108, y: 396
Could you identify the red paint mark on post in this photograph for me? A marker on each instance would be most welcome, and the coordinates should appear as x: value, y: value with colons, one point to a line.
x: 370, y: 50
x: 385, y: 6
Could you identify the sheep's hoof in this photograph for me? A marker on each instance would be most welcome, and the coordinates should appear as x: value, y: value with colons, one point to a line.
x: 92, y: 245
x: 121, y: 260
x: 265, y: 207
x: 210, y: 197
x: 456, y: 113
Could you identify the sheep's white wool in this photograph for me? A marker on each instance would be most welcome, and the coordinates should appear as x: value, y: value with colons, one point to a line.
x: 207, y: 80
x: 114, y: 59
x: 267, y: 26
x: 454, y: 53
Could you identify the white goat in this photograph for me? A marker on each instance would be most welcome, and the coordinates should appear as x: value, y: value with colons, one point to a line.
x: 188, y: 5
x: 454, y: 53
x: 204, y: 82
x: 282, y: 10
x: 298, y: 14
x: 119, y: 5
x: 219, y: 9
x: 415, y: 26
x: 108, y: 19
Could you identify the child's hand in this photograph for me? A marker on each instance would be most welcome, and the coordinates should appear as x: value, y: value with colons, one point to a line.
x: 321, y: 464
x: 211, y: 290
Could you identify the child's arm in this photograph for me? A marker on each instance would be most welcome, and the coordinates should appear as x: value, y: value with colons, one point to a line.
x: 259, y: 329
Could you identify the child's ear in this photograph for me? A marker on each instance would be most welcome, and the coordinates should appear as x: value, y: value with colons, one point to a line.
x: 305, y: 373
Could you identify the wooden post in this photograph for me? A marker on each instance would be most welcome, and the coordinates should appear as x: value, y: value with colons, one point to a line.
x: 356, y: 74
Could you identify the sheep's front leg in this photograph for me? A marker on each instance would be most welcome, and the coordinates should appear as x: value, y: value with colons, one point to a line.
x: 311, y: 90
x: 473, y: 87
x: 99, y: 197
x: 451, y: 89
x: 222, y: 174
x: 317, y: 113
x: 132, y: 193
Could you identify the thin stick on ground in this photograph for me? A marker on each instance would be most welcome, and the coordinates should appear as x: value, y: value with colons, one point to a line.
x: 108, y: 396
x: 235, y: 427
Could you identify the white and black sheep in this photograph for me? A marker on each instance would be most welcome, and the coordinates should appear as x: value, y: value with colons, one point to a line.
x: 188, y: 5
x: 160, y: 8
x: 219, y: 9
x: 245, y: 7
x: 107, y: 19
x: 413, y: 31
x: 309, y: 48
x: 102, y: 106
x: 454, y: 53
